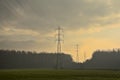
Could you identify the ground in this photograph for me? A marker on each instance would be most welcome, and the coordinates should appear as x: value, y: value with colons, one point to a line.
x: 38, y: 74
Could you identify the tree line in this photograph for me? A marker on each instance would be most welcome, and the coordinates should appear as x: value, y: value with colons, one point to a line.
x: 101, y: 59
x: 104, y: 59
x: 27, y: 59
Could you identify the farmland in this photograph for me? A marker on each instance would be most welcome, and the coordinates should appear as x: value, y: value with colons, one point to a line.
x: 38, y: 74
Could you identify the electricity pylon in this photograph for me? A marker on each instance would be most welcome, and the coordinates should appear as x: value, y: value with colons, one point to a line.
x: 77, y: 53
x: 59, y: 47
x: 84, y: 56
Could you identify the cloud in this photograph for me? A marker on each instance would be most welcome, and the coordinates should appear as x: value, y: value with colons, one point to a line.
x: 14, y: 31
x: 43, y: 15
x: 9, y: 10
x: 31, y: 24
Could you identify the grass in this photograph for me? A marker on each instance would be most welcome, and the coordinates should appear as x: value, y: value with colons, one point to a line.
x: 37, y: 74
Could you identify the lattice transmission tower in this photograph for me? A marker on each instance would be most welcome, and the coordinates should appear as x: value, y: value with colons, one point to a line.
x: 77, y: 53
x: 59, y: 47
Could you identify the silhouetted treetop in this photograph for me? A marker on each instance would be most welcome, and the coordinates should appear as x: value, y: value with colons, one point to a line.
x: 27, y: 59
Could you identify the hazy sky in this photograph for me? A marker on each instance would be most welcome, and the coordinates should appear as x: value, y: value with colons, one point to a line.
x: 31, y: 25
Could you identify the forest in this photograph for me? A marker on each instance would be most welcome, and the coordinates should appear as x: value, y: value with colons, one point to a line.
x: 27, y: 59
x: 101, y: 59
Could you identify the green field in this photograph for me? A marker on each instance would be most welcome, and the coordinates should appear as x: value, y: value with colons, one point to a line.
x: 36, y: 74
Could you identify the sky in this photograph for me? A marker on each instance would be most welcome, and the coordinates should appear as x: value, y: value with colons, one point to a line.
x: 31, y: 25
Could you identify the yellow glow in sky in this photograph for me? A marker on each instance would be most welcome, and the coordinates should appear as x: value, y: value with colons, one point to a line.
x: 31, y: 25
